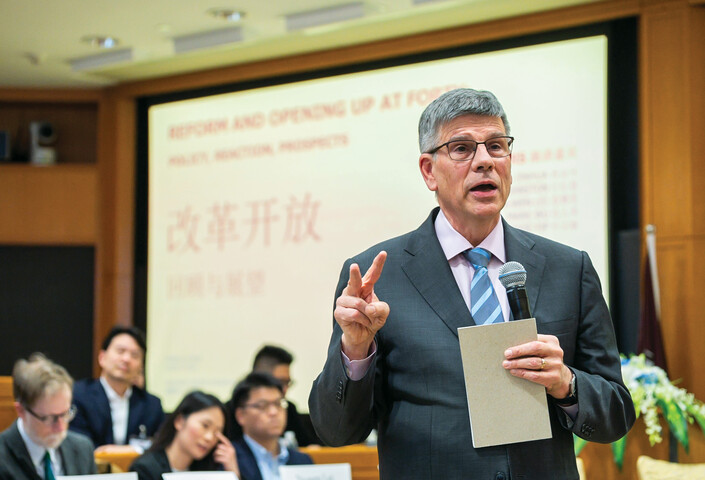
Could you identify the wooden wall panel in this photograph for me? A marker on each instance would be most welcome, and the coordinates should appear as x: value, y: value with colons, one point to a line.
x: 696, y: 88
x: 114, y: 258
x: 672, y: 178
x: 53, y: 205
x: 674, y: 263
x: 665, y: 103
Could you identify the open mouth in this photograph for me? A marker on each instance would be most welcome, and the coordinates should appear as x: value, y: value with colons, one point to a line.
x: 483, y: 187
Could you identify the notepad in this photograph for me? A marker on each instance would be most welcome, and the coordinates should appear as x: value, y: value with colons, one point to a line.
x: 331, y: 471
x: 102, y: 476
x: 503, y: 408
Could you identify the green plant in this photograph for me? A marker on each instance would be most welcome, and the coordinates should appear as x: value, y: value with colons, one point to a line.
x: 654, y: 394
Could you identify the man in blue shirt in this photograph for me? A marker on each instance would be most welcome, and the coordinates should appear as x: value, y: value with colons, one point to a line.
x: 260, y: 409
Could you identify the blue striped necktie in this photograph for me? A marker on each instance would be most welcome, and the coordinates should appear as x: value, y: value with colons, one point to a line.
x: 484, y: 306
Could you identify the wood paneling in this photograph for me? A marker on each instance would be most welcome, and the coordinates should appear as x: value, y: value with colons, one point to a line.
x: 672, y: 180
x: 53, y: 205
x: 7, y: 403
x: 599, y: 461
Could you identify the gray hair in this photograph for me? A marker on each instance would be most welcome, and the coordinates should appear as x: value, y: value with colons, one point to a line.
x: 453, y: 104
x: 34, y: 378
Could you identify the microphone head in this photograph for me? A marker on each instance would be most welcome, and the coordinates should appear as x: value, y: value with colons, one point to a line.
x: 512, y: 274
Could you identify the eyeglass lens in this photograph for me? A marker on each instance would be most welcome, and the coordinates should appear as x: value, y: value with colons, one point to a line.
x: 465, y: 149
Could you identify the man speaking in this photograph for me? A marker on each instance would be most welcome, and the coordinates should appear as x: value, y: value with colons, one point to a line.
x: 394, y: 358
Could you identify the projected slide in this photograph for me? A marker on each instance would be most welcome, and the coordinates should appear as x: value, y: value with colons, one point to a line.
x: 256, y: 198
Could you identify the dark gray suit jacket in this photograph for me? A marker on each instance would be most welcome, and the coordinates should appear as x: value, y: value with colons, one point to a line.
x: 414, y: 393
x: 15, y: 463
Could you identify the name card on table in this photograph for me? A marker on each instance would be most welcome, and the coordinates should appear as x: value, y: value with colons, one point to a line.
x: 102, y: 476
x: 330, y: 471
x: 200, y: 476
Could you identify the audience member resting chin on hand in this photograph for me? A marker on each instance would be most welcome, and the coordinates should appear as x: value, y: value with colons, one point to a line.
x: 190, y: 439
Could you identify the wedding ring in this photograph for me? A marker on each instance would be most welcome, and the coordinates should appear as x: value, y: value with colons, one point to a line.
x: 543, y: 363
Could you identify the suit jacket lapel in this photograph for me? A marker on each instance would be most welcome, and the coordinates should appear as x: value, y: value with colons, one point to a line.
x: 429, y: 271
x: 103, y: 406
x: 134, y: 413
x: 519, y: 248
x: 19, y: 451
x: 68, y: 458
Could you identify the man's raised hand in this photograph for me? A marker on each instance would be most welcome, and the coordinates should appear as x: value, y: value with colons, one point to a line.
x: 359, y: 312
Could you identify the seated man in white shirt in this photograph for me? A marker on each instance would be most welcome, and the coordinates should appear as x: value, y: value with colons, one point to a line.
x: 38, y: 446
x: 260, y: 409
x: 112, y: 410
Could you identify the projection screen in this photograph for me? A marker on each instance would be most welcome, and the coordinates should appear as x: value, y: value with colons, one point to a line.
x: 257, y: 197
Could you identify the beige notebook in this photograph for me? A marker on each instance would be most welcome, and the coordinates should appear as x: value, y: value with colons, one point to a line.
x: 503, y: 408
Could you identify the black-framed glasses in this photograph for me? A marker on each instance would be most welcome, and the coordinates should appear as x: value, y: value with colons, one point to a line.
x: 464, y: 150
x: 264, y: 405
x: 67, y: 416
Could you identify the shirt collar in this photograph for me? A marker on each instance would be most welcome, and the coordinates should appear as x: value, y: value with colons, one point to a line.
x: 36, y: 452
x: 453, y: 243
x: 262, y: 453
x: 112, y: 395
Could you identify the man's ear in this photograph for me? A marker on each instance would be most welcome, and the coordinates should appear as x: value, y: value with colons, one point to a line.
x: 101, y: 356
x: 239, y: 415
x: 19, y: 409
x: 426, y: 164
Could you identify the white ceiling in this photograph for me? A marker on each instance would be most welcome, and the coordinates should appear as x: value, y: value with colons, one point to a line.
x: 38, y: 38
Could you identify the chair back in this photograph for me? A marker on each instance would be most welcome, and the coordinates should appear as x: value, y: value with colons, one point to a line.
x: 7, y: 403
x: 651, y: 469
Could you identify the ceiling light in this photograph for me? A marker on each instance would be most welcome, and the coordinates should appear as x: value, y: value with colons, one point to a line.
x: 323, y: 16
x: 101, y: 41
x: 102, y: 59
x: 198, y: 41
x: 227, y: 14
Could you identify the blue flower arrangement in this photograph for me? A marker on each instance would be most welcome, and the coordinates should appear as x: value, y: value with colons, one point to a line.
x: 654, y: 394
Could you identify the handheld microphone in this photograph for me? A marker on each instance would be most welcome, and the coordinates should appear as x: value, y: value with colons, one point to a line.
x: 513, y: 277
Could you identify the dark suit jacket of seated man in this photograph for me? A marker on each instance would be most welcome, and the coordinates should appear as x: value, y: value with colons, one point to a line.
x: 121, y: 360
x: 95, y: 420
x: 76, y: 453
x: 247, y: 463
x: 43, y: 404
x: 394, y: 358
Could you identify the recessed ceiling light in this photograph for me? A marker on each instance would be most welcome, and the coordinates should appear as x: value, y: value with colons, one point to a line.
x: 101, y: 41
x: 227, y: 14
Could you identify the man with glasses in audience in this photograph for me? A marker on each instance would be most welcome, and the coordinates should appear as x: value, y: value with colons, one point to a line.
x: 394, y: 358
x: 260, y: 410
x: 277, y: 362
x: 38, y: 446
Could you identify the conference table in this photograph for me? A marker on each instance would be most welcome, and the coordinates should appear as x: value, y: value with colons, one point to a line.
x: 362, y: 459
